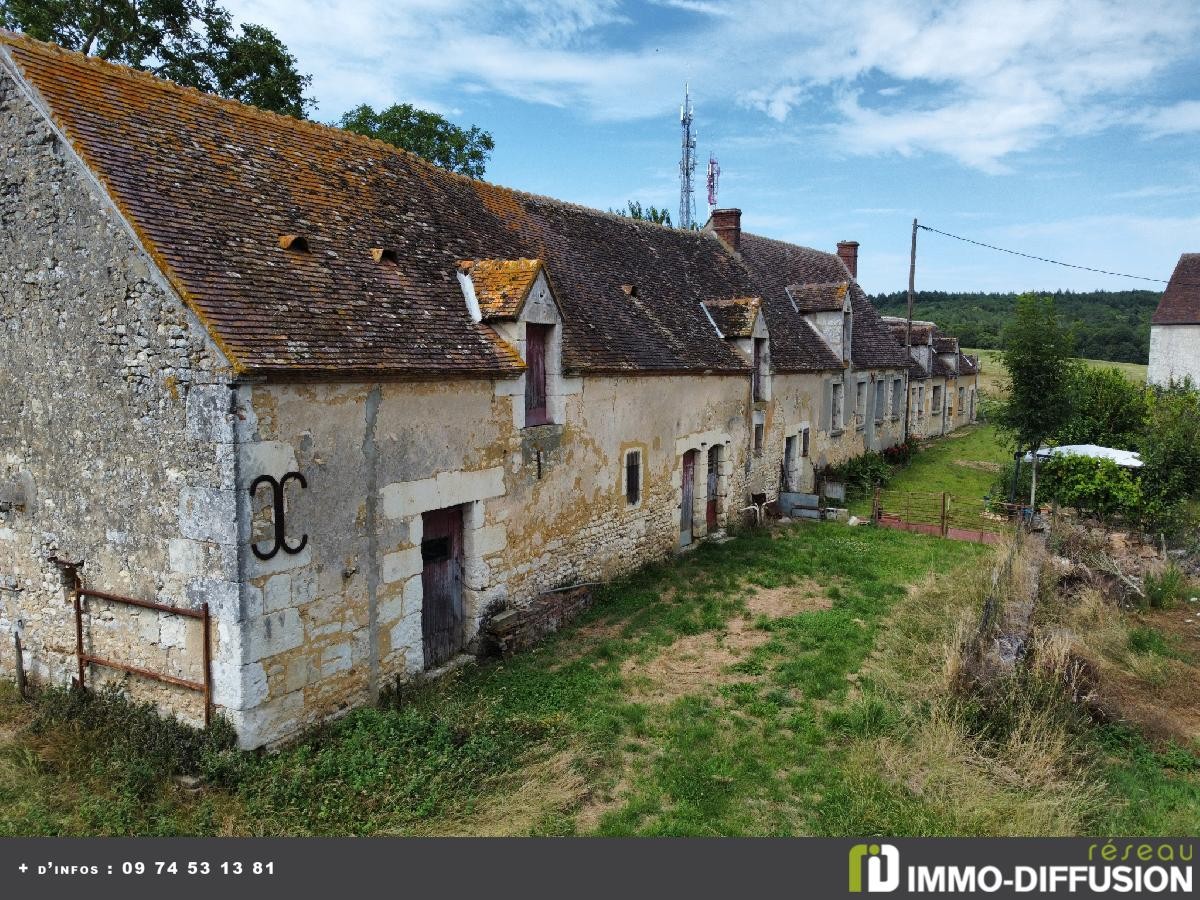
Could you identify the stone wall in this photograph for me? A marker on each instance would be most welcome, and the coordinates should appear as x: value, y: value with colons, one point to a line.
x: 544, y: 507
x: 115, y: 423
x: 1174, y: 353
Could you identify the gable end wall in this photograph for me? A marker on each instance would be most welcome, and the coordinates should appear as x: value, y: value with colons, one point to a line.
x: 115, y: 425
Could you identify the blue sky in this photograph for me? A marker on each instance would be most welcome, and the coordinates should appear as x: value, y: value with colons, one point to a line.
x: 1067, y: 129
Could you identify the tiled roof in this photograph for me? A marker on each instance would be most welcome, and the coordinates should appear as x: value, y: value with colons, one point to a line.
x: 944, y: 344
x: 795, y: 346
x: 735, y: 316
x: 920, y: 331
x: 812, y: 298
x: 501, y: 285
x: 967, y: 365
x: 942, y: 368
x: 1180, y: 304
x: 777, y: 265
x: 211, y: 185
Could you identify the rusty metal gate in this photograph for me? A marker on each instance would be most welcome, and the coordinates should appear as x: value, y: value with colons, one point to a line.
x: 945, y: 515
x: 79, y: 594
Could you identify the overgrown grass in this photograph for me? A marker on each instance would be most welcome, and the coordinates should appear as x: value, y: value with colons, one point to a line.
x: 837, y: 717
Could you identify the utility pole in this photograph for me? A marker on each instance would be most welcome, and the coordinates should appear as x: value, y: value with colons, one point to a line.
x: 912, y: 277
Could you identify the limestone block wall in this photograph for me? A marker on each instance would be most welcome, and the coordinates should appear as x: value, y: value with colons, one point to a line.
x: 544, y: 507
x: 1174, y: 353
x: 114, y: 420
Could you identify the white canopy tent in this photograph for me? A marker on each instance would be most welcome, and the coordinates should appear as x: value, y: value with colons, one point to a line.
x: 1125, y: 458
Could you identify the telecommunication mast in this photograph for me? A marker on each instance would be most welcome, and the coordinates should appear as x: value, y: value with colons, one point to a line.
x: 687, y: 165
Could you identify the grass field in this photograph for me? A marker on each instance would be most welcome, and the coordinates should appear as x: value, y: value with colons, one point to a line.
x: 992, y: 377
x: 790, y: 681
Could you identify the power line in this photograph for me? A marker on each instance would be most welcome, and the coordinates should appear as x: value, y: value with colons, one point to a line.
x: 1044, y: 259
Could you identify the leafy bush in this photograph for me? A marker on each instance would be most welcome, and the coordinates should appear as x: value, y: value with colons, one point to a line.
x: 862, y: 474
x: 902, y: 454
x: 1002, y: 487
x: 1170, y: 474
x: 1097, y: 487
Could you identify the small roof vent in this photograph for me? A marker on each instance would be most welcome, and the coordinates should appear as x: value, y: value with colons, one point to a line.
x: 384, y: 255
x: 294, y: 242
x: 630, y: 290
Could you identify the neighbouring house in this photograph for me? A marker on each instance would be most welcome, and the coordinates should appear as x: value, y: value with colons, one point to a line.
x: 320, y: 408
x: 1175, y: 326
x: 943, y: 381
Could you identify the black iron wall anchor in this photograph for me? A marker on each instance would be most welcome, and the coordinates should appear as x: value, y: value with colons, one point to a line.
x: 277, y: 487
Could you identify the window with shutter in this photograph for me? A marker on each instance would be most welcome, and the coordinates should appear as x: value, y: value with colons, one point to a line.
x: 633, y: 477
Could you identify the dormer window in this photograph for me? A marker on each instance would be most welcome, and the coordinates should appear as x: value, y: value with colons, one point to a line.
x: 537, y: 342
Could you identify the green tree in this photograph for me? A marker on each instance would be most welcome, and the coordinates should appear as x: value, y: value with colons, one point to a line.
x: 1106, y: 408
x: 1037, y: 354
x: 191, y: 42
x: 437, y: 139
x: 1170, y: 474
x: 634, y: 210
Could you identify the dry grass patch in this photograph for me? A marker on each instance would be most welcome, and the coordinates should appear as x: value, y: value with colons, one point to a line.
x: 695, y: 664
x: 788, y: 600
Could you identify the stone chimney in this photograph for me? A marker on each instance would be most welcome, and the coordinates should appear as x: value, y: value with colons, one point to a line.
x: 848, y: 253
x: 727, y: 223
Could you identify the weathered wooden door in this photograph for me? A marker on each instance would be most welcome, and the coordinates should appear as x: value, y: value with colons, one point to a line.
x: 441, y: 583
x: 689, y: 496
x: 714, y: 476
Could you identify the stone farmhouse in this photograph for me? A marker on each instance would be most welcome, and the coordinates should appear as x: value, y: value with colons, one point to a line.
x: 1175, y: 326
x: 943, y: 381
x: 320, y: 408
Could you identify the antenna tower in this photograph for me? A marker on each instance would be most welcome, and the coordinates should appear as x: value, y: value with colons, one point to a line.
x: 714, y: 177
x: 687, y: 165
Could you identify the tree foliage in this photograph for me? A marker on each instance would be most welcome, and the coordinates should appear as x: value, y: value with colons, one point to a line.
x: 1170, y: 474
x: 437, y: 139
x: 634, y: 210
x: 1110, y: 325
x: 1038, y: 355
x: 1106, y: 409
x: 191, y: 42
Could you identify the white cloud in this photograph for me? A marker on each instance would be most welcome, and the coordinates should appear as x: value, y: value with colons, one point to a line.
x: 977, y: 80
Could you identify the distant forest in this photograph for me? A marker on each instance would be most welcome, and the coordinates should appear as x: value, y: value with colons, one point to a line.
x: 1111, y: 325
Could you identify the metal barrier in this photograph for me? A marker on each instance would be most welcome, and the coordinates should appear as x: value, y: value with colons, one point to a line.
x: 945, y: 515
x: 85, y: 659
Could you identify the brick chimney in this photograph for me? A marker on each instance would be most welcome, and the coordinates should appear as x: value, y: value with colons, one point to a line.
x: 848, y: 253
x: 727, y: 223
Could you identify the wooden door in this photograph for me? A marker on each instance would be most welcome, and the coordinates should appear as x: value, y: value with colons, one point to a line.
x: 789, y: 465
x: 689, y: 496
x: 714, y: 482
x: 441, y: 584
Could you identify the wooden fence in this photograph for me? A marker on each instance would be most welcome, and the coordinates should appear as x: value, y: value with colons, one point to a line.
x: 945, y: 515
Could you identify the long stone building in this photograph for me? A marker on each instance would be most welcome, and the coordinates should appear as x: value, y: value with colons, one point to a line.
x: 349, y: 404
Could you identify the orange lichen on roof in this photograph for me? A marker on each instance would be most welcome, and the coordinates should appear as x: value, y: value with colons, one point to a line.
x: 208, y: 186
x: 735, y: 316
x: 501, y: 285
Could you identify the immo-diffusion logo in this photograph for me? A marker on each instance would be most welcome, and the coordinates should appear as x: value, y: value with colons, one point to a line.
x: 882, y: 865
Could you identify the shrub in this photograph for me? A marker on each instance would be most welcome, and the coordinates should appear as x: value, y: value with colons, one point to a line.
x: 1002, y: 487
x: 1097, y: 487
x: 862, y: 474
x: 902, y: 454
x: 1170, y: 475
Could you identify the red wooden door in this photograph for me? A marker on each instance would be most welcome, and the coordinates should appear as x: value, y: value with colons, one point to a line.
x: 714, y: 475
x: 441, y: 584
x: 689, y: 496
